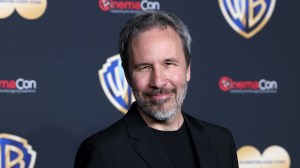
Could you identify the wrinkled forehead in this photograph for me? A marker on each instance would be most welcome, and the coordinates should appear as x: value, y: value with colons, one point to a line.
x: 136, y: 32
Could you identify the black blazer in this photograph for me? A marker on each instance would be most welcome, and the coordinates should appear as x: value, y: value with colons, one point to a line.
x: 130, y: 143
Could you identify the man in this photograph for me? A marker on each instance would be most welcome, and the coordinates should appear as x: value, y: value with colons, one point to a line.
x: 155, y: 53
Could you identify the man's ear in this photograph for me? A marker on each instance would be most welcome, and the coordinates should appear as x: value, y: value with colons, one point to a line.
x: 188, y: 73
x: 128, y: 78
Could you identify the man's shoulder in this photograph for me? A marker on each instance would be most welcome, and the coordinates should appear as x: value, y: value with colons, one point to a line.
x: 208, y: 128
x: 104, y: 144
x: 116, y: 133
x: 109, y: 135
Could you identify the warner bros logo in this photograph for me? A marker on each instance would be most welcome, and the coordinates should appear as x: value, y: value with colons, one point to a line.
x: 247, y: 17
x: 114, y: 84
x: 15, y: 152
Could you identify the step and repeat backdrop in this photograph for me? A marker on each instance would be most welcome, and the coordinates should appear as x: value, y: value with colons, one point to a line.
x: 60, y: 75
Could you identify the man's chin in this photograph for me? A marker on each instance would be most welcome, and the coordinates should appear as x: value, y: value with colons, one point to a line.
x: 162, y: 115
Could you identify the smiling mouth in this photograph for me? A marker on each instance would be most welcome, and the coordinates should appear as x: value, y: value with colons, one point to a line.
x: 163, y: 96
x: 160, y: 94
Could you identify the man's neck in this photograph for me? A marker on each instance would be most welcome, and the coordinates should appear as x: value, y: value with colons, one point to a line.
x: 172, y: 124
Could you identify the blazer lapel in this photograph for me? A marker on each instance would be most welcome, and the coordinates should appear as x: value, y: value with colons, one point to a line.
x: 150, y: 150
x: 147, y: 146
x: 202, y: 143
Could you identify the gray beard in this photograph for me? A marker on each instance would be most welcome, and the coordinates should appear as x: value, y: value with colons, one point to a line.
x: 156, y: 110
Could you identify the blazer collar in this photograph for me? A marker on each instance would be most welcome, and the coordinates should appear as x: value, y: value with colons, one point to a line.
x: 148, y: 147
x: 202, y: 143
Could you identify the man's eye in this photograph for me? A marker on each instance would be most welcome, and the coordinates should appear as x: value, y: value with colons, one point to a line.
x: 170, y: 64
x: 143, y: 68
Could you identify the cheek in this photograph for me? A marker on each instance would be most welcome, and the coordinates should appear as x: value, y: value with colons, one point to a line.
x: 178, y: 79
x: 139, y: 82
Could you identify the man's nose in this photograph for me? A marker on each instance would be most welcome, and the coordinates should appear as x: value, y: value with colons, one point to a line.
x: 158, y: 78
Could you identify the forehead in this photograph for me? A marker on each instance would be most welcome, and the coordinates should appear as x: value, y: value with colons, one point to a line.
x: 155, y: 36
x: 157, y: 42
x: 137, y: 32
x: 165, y: 28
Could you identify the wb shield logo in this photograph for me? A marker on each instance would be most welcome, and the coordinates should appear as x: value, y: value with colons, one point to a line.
x: 114, y: 84
x: 247, y: 17
x: 15, y: 152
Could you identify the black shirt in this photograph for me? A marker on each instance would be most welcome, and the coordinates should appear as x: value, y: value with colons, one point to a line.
x: 178, y: 146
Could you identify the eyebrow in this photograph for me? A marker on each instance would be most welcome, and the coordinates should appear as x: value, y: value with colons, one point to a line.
x: 170, y: 60
x: 140, y: 64
x: 145, y: 63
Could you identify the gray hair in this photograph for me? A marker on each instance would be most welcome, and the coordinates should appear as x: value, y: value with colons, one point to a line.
x: 144, y: 21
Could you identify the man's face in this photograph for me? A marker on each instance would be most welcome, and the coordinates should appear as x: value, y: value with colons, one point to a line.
x: 158, y: 73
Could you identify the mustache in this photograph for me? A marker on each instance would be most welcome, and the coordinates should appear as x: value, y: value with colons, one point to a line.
x: 158, y: 91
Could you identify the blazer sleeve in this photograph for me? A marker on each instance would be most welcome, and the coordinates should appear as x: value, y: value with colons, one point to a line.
x: 233, y: 152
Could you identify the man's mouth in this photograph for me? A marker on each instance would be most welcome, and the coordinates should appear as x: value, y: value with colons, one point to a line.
x: 160, y: 94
